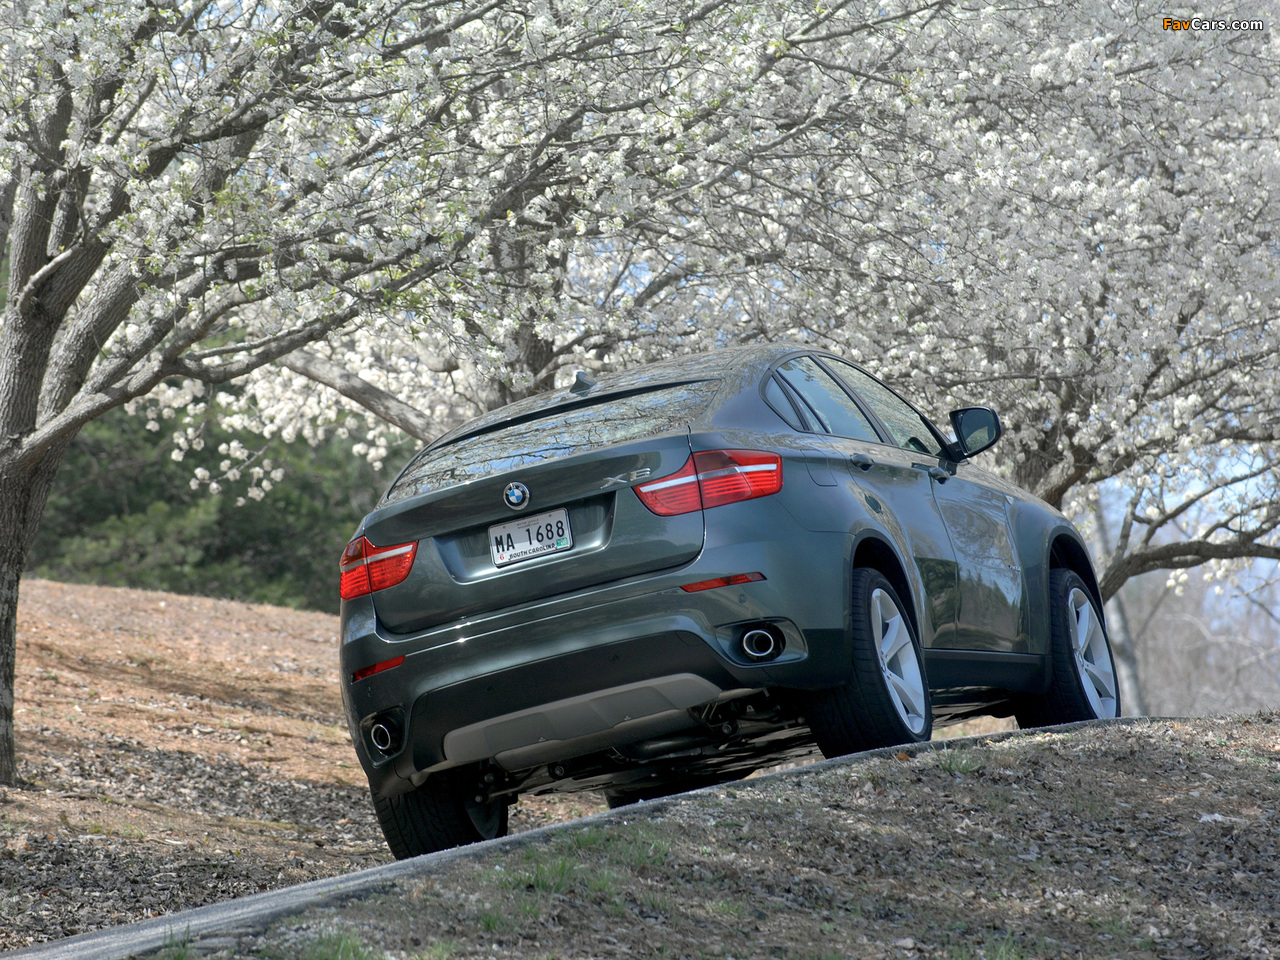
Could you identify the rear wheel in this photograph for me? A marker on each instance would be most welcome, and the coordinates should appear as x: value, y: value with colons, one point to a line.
x: 444, y: 812
x: 887, y: 701
x: 1083, y: 686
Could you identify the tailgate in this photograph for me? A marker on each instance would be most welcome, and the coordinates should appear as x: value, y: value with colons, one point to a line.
x: 476, y: 554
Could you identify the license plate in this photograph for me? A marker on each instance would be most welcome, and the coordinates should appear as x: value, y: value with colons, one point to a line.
x: 530, y: 537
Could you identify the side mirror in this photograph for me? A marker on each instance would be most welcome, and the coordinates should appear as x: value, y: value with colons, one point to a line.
x: 977, y: 429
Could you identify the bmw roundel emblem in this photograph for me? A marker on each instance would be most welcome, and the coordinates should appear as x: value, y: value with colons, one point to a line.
x: 516, y: 496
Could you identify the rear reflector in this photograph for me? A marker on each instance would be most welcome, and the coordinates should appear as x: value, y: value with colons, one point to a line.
x: 722, y: 582
x: 713, y: 478
x: 365, y: 568
x: 376, y: 668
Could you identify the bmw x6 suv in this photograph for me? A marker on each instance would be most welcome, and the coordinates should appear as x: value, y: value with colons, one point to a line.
x: 679, y: 574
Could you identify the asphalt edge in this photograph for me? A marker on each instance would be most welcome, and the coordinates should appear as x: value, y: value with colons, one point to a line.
x: 253, y: 913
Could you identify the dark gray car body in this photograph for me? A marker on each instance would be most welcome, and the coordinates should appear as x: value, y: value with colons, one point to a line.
x: 593, y: 668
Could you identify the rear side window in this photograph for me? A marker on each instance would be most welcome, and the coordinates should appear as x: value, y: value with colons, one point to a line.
x: 564, y: 431
x: 906, y: 427
x: 826, y: 401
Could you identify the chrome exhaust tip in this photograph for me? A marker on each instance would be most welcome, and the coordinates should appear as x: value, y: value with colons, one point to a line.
x: 762, y: 643
x: 380, y: 736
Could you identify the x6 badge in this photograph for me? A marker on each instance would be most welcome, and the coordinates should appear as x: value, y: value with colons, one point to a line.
x: 631, y: 477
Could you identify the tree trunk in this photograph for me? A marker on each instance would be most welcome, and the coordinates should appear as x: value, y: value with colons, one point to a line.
x: 1131, y: 695
x: 10, y: 574
x: 12, y: 557
x: 22, y: 500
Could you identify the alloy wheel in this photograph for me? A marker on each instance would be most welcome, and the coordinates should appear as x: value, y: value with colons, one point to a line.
x: 899, y: 661
x: 1092, y: 654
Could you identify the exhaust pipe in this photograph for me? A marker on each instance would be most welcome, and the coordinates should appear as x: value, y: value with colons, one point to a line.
x: 762, y: 642
x: 381, y: 736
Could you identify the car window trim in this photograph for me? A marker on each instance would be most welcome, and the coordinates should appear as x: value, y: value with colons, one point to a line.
x: 789, y: 395
x: 809, y: 416
x: 877, y: 424
x: 874, y: 422
x: 811, y: 413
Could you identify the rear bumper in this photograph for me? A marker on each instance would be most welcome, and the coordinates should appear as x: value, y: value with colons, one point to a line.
x: 577, y: 673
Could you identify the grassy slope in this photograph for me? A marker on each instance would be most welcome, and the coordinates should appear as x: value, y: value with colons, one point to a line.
x: 1154, y: 840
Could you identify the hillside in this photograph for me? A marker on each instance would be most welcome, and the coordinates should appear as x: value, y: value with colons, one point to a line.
x: 177, y: 750
x: 1151, y: 840
x: 181, y: 750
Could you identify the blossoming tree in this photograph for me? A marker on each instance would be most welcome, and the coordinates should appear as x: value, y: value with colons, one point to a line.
x: 1063, y: 209
x: 296, y: 212
x: 1106, y: 232
x: 197, y: 193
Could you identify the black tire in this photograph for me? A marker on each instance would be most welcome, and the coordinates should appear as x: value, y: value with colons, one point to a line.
x: 440, y: 814
x: 1083, y: 685
x: 887, y: 701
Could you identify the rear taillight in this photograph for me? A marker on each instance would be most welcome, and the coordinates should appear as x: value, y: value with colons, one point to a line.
x: 365, y: 568
x: 673, y: 494
x: 727, y: 476
x: 713, y: 478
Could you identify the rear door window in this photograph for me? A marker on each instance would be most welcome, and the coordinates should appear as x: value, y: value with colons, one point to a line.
x: 781, y: 403
x: 906, y: 427
x: 826, y: 402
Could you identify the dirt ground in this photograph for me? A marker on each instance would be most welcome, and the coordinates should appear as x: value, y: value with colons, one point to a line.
x: 179, y: 751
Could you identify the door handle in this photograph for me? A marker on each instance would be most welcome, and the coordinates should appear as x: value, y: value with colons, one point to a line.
x: 935, y: 472
x: 861, y: 460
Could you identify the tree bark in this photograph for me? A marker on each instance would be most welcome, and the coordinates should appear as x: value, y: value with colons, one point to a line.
x: 10, y: 574
x: 22, y: 501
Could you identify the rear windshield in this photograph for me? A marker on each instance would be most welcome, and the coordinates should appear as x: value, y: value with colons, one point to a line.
x: 563, y: 432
